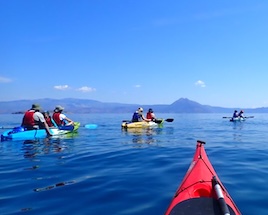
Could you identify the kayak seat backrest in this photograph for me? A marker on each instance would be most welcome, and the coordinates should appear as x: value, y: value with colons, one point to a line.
x: 16, y: 130
x: 66, y: 128
x: 199, y: 206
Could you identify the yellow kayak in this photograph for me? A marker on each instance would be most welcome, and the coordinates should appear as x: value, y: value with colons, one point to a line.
x: 143, y: 124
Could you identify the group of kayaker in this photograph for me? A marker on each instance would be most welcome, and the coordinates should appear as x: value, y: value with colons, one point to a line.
x: 139, y: 117
x: 237, y: 114
x: 35, y: 119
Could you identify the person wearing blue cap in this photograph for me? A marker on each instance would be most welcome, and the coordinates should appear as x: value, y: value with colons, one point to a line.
x: 150, y: 115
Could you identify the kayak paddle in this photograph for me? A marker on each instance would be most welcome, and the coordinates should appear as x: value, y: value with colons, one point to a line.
x: 156, y: 120
x: 91, y: 126
x: 229, y: 117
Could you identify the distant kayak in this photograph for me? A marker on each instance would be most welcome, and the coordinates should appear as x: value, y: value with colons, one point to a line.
x: 19, y: 133
x: 201, y: 191
x: 237, y: 119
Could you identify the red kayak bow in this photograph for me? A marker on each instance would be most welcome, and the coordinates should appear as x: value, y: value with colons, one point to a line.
x: 201, y: 191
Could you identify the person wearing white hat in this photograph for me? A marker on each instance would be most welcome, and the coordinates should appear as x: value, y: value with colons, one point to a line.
x: 33, y: 119
x: 138, y: 116
x: 60, y: 118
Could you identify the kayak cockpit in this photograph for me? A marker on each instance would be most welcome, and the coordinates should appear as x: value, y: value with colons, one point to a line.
x: 199, y: 206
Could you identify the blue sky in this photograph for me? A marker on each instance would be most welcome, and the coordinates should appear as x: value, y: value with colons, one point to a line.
x: 135, y: 51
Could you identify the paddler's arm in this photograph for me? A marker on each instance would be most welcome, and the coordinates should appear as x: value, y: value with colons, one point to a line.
x: 70, y: 122
x: 47, y: 129
x: 145, y: 119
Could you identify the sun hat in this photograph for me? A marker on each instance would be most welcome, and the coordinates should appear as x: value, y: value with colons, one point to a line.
x: 36, y: 107
x: 45, y: 112
x: 58, y: 108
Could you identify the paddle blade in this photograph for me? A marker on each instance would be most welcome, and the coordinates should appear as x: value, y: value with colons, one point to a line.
x: 169, y: 120
x: 158, y: 121
x: 91, y: 126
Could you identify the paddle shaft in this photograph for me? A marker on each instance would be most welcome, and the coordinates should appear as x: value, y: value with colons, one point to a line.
x: 218, y: 191
x: 156, y: 120
x: 229, y: 117
x: 6, y: 127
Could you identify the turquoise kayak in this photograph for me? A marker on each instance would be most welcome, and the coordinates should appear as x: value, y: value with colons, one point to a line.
x: 19, y: 133
x: 237, y: 119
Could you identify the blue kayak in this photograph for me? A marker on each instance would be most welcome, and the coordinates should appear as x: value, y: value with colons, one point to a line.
x: 19, y: 133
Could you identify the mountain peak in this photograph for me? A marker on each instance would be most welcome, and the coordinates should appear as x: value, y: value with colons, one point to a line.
x: 184, y: 101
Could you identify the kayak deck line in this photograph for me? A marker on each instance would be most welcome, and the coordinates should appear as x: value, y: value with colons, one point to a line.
x: 201, y: 191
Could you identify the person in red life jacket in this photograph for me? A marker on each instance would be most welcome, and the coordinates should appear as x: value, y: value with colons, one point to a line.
x: 150, y: 115
x: 33, y: 119
x: 138, y: 116
x: 48, y: 119
x: 61, y: 119
x: 241, y: 114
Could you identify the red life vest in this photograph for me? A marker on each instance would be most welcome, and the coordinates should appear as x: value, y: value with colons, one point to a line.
x: 56, y: 118
x: 49, y: 122
x: 28, y: 119
x: 149, y: 115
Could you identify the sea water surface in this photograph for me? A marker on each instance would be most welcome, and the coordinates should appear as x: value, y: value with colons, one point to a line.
x: 112, y: 171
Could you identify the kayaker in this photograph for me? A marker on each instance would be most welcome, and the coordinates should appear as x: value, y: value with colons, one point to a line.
x: 241, y: 114
x: 48, y: 119
x: 235, y: 114
x: 33, y: 119
x: 60, y: 118
x: 150, y: 115
x: 138, y: 116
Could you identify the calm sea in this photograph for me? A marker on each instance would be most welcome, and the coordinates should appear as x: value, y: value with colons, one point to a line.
x: 110, y: 171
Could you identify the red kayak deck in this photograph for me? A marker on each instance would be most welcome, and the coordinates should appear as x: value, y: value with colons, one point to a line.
x: 201, y: 191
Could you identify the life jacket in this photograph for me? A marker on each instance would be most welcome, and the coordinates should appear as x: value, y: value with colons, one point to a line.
x: 56, y: 118
x: 136, y: 117
x: 49, y: 122
x: 149, y: 115
x: 28, y: 119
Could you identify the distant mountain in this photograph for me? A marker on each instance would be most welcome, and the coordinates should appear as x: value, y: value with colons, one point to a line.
x: 182, y: 105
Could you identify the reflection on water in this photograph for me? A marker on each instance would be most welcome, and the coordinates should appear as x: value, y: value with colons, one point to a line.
x: 237, y: 127
x: 60, y: 184
x: 144, y: 135
x: 32, y: 148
